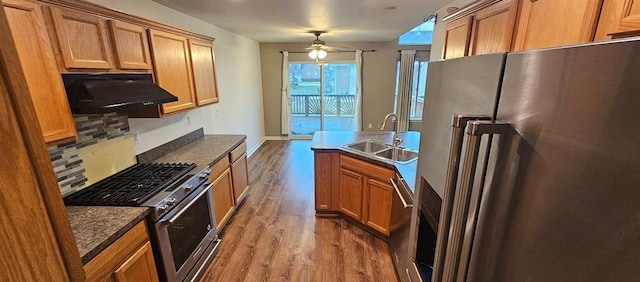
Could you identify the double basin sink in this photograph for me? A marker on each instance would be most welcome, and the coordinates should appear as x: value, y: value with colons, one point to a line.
x: 384, y: 151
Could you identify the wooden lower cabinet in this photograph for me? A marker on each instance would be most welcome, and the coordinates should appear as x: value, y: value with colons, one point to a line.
x: 130, y: 258
x: 351, y: 191
x: 223, y: 201
x: 240, y: 175
x: 323, y: 171
x: 377, y: 201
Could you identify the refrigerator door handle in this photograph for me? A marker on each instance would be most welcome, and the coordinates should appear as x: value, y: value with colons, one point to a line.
x: 459, y: 123
x: 454, y: 259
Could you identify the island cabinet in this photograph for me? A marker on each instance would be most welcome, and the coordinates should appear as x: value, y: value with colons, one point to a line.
x: 130, y: 258
x: 38, y: 63
x: 82, y: 39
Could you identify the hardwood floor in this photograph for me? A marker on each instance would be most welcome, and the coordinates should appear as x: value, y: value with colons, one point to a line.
x: 275, y: 235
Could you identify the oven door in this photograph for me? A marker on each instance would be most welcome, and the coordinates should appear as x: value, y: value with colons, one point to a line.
x: 185, y: 233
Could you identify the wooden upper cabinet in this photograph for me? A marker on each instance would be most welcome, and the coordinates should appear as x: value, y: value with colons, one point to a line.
x: 82, y: 39
x: 204, y: 71
x: 630, y: 19
x: 456, y: 39
x: 131, y: 46
x: 492, y: 28
x: 173, y: 69
x: 39, y: 66
x: 547, y: 23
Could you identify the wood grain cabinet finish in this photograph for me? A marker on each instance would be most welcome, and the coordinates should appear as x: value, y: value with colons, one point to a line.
x: 618, y: 18
x: 240, y: 177
x: 351, y: 192
x: 129, y: 258
x: 630, y: 19
x: 547, y: 23
x: 39, y: 66
x: 323, y: 180
x: 82, y: 39
x: 204, y: 71
x: 456, y: 39
x: 223, y: 201
x: 172, y: 67
x: 139, y: 267
x: 377, y: 201
x: 130, y: 46
x: 492, y: 28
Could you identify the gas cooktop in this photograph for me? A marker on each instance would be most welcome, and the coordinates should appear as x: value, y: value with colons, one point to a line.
x: 132, y: 186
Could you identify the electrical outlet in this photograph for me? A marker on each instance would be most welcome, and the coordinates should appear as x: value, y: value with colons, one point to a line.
x: 136, y: 138
x: 188, y: 120
x: 370, y: 125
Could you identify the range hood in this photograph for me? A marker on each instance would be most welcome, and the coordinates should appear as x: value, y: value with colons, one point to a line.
x: 113, y: 92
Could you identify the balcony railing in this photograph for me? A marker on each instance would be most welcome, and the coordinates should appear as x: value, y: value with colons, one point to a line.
x: 334, y: 105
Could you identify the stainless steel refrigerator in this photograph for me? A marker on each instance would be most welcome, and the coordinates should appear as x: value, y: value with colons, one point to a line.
x: 540, y: 170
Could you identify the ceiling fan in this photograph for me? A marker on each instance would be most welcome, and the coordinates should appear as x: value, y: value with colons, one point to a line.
x: 318, y: 49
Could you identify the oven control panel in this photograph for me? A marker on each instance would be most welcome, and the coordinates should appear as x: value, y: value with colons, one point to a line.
x: 184, y: 187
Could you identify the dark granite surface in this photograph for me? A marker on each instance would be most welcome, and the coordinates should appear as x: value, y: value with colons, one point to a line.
x: 204, y: 151
x: 335, y: 140
x: 95, y: 228
x: 160, y: 151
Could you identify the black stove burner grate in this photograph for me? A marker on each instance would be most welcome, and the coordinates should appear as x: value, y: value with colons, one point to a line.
x: 130, y: 187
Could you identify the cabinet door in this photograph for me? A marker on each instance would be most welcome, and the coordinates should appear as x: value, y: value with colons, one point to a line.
x: 204, y: 71
x: 456, y: 38
x: 38, y: 64
x: 173, y: 69
x: 351, y: 190
x: 547, y: 23
x: 492, y: 29
x: 630, y: 20
x: 131, y: 46
x: 378, y: 205
x: 323, y: 171
x: 82, y: 39
x: 240, y: 173
x: 138, y: 267
x: 222, y: 199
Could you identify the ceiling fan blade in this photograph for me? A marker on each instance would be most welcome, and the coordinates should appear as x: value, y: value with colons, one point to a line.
x: 336, y: 49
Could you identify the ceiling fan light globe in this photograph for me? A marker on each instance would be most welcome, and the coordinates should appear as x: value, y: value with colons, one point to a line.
x: 322, y: 54
x: 313, y: 54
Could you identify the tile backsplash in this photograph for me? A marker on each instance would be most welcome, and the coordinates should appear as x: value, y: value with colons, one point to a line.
x: 92, y: 129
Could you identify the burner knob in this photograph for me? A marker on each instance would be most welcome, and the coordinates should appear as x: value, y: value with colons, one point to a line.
x: 203, y: 175
x: 171, y: 201
x: 163, y: 208
x: 188, y: 188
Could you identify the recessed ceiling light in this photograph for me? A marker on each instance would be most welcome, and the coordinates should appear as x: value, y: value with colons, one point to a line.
x: 392, y: 8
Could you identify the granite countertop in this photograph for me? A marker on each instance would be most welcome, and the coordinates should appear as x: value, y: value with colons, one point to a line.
x: 335, y: 140
x: 95, y: 228
x: 204, y: 150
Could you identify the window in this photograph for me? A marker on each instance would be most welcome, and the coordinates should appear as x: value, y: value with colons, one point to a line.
x: 419, y: 35
x: 417, y: 90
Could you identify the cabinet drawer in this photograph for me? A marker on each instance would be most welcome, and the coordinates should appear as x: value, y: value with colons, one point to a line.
x: 218, y: 168
x: 366, y: 168
x: 238, y: 151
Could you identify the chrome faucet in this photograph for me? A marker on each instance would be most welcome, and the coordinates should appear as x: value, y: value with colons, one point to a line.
x: 396, y: 139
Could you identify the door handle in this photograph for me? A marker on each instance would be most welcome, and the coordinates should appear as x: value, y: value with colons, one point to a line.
x: 459, y: 123
x: 404, y: 202
x: 175, y: 217
x: 454, y: 258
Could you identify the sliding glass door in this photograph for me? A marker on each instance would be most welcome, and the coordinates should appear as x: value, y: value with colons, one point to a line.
x: 323, y: 97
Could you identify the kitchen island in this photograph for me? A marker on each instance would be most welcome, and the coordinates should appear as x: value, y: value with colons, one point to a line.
x: 359, y: 186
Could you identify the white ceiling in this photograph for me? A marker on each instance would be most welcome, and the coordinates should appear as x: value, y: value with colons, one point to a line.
x: 289, y: 20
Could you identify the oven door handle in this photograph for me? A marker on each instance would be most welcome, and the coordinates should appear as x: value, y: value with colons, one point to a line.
x: 173, y: 218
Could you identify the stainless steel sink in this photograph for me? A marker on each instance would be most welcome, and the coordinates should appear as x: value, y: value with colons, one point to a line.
x: 400, y: 155
x: 368, y: 146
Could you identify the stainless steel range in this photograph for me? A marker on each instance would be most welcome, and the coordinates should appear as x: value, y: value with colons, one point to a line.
x: 182, y: 219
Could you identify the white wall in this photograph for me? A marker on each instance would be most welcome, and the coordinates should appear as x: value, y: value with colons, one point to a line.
x: 439, y: 29
x: 240, y: 108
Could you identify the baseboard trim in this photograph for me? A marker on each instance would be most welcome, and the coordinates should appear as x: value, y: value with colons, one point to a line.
x: 276, y: 138
x: 256, y: 147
